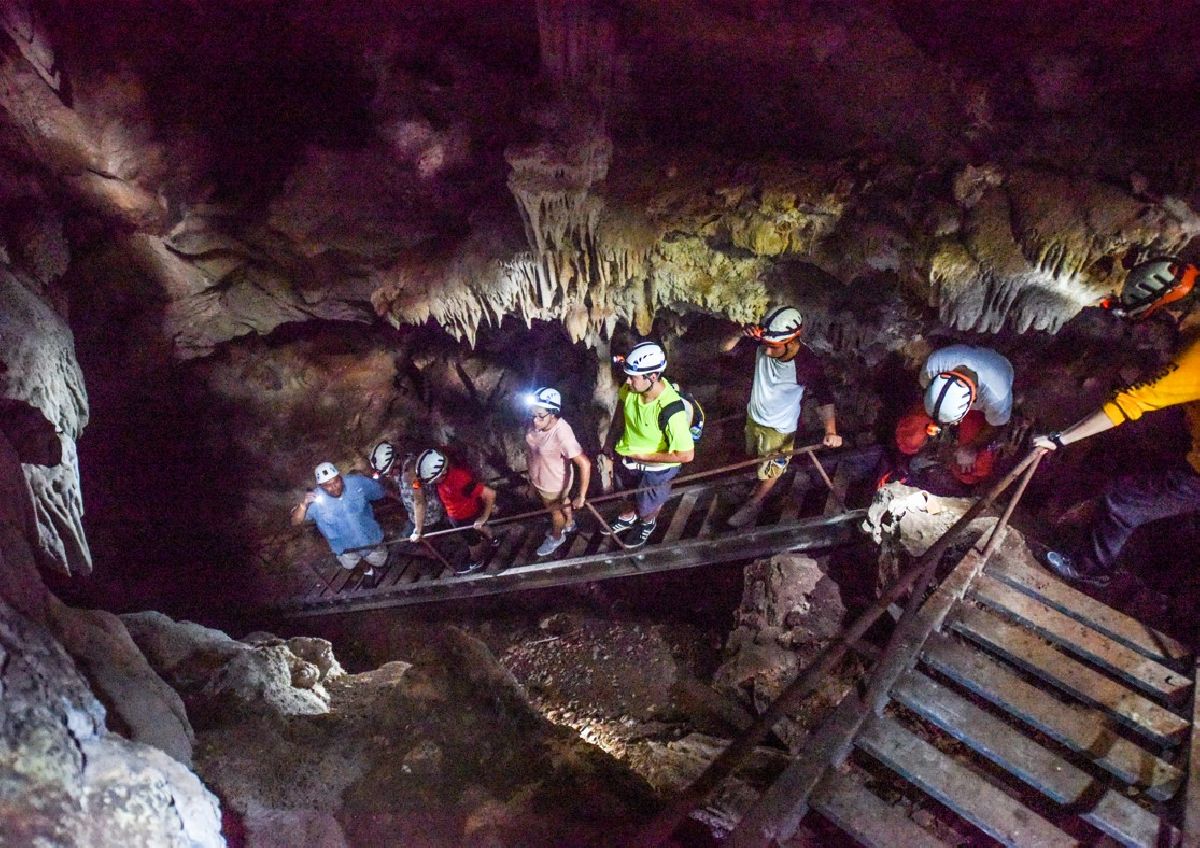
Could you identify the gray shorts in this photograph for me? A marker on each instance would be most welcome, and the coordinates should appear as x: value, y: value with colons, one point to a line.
x: 375, y: 557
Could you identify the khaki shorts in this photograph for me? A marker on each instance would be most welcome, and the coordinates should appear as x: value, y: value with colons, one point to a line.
x: 762, y: 441
x: 551, y: 498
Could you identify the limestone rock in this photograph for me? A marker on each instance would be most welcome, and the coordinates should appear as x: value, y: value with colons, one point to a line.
x: 38, y: 366
x: 911, y: 516
x: 69, y: 781
x: 147, y: 709
x: 790, y: 609
x: 446, y: 751
x: 221, y: 678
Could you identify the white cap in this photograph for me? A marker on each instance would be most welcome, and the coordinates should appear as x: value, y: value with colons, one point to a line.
x: 325, y: 472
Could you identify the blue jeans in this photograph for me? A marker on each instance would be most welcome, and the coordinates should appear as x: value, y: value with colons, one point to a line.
x: 1131, y: 502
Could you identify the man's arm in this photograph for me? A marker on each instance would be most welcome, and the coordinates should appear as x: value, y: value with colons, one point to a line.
x: 810, y: 373
x: 1094, y: 424
x: 418, y: 516
x: 487, y: 495
x: 300, y: 510
x: 585, y: 478
x: 829, y: 420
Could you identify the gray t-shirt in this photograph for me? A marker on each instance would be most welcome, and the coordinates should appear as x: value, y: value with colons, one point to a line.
x: 994, y: 397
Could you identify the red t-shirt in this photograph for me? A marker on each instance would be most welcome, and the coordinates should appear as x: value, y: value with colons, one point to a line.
x: 460, y: 493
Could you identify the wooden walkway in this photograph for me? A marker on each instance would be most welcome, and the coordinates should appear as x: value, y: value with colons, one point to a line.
x: 806, y: 514
x: 1012, y: 709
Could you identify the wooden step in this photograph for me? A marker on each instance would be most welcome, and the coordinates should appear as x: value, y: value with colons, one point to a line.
x: 1032, y: 654
x: 679, y: 518
x: 867, y: 817
x: 794, y: 501
x: 1080, y: 639
x: 1084, y: 730
x: 1053, y: 592
x: 1045, y: 771
x: 988, y: 807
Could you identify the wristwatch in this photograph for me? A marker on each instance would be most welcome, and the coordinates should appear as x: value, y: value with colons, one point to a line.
x: 1056, y: 440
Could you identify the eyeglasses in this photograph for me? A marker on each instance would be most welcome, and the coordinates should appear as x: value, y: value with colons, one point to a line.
x: 540, y: 416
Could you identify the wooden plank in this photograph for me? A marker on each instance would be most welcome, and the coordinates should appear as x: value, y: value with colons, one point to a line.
x: 1045, y: 771
x: 836, y: 501
x: 683, y: 512
x: 1191, y: 800
x: 710, y: 516
x: 1053, y: 592
x: 528, y: 551
x: 1031, y: 653
x: 866, y: 817
x: 810, y: 534
x: 580, y: 543
x: 503, y: 556
x: 989, y: 808
x: 801, y: 480
x: 1084, y: 730
x: 777, y: 814
x: 1076, y: 637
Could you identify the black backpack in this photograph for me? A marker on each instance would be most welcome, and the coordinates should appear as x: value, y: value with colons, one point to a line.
x: 688, y: 405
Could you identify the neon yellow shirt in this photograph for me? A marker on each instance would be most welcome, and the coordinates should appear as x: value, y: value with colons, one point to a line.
x: 642, y: 435
x: 1178, y: 383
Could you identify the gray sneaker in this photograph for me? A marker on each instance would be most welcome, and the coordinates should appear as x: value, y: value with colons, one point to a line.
x: 550, y: 544
x: 468, y: 568
x: 1064, y: 566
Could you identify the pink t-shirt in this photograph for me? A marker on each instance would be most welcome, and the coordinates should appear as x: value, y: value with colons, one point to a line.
x: 550, y: 455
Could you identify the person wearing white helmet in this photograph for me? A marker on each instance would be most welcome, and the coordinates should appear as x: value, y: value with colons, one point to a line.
x: 340, y: 506
x: 553, y: 455
x: 466, y: 499
x: 421, y: 503
x: 655, y: 439
x: 1134, y: 500
x: 968, y: 396
x: 786, y: 372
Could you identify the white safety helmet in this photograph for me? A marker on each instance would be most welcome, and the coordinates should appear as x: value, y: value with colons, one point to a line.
x: 548, y: 399
x: 949, y: 397
x: 645, y: 358
x: 430, y: 465
x: 382, y: 456
x: 325, y: 472
x: 782, y: 325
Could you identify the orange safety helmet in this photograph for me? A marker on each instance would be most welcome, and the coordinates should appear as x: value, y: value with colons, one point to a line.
x: 1150, y: 286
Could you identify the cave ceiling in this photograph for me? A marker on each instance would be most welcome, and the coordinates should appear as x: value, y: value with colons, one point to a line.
x: 242, y: 166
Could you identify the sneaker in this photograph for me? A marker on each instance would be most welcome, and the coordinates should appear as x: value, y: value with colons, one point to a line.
x: 468, y: 568
x: 1064, y: 566
x: 641, y: 535
x: 570, y: 528
x: 550, y: 544
x: 746, y: 515
x: 620, y: 525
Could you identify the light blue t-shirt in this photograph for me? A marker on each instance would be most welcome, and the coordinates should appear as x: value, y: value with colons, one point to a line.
x: 348, y: 522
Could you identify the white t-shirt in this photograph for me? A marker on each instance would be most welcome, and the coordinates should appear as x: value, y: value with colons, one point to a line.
x: 994, y: 398
x: 775, y: 396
